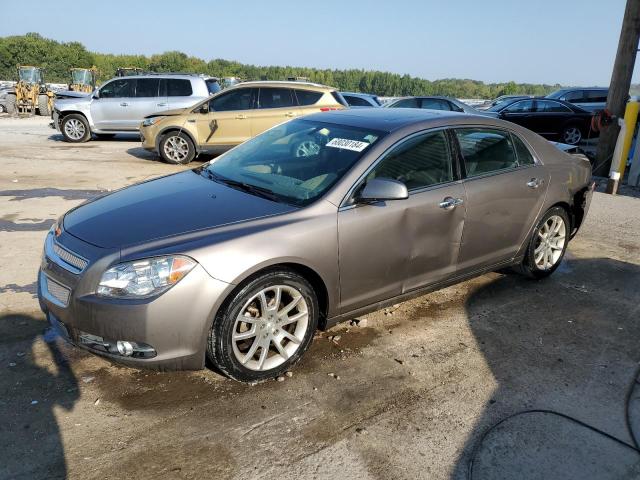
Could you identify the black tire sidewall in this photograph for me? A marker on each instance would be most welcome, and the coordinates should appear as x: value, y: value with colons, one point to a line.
x: 87, y: 130
x: 529, y: 264
x: 187, y: 159
x: 219, y: 346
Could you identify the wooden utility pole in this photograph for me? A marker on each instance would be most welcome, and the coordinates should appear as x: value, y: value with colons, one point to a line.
x: 620, y: 84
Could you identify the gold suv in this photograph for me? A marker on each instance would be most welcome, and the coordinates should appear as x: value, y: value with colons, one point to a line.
x: 233, y: 116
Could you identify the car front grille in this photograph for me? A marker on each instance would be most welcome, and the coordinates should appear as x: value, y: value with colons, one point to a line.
x: 70, y: 258
x: 58, y: 291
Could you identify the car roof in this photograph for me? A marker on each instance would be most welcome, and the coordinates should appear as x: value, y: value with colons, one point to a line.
x: 391, y: 119
x: 284, y: 83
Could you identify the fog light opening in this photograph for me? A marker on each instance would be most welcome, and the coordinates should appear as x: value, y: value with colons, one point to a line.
x: 124, y: 348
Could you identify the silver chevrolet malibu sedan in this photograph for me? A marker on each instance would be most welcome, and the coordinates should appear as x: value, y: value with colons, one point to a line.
x: 315, y: 221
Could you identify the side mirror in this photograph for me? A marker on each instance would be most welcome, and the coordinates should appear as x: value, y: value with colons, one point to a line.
x: 204, y: 108
x: 96, y: 94
x: 381, y: 189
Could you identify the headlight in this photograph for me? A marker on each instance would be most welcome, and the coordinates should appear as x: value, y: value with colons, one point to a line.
x: 147, y: 122
x: 143, y: 278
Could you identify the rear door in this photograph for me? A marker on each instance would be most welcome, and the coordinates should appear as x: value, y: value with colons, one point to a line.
x: 111, y: 110
x: 147, y: 101
x: 179, y: 93
x: 227, y: 123
x: 274, y: 106
x: 505, y: 188
x: 549, y: 117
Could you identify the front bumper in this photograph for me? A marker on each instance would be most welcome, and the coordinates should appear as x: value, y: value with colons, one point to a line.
x: 169, y: 331
x: 148, y: 137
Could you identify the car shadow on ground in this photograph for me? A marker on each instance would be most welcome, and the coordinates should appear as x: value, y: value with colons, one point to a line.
x: 121, y: 137
x: 40, y: 380
x: 564, y: 355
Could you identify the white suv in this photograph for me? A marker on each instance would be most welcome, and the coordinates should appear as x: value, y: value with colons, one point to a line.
x: 120, y: 105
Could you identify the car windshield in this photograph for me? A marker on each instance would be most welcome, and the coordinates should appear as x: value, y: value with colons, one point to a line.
x: 295, y: 162
x: 82, y: 77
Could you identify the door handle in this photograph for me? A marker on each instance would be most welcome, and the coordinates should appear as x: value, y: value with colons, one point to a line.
x: 449, y: 203
x: 161, y: 104
x: 534, y: 183
x: 124, y: 104
x: 241, y: 117
x: 290, y: 114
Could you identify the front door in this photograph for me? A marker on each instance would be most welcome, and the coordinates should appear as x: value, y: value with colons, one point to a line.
x: 111, y: 110
x: 389, y: 248
x: 228, y: 121
x: 519, y: 112
x: 505, y: 189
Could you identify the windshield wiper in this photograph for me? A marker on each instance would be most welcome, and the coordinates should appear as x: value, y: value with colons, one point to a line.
x: 246, y: 187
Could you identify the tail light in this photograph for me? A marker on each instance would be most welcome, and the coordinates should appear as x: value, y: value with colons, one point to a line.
x: 327, y: 109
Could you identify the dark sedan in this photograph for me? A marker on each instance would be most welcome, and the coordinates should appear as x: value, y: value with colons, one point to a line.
x: 553, y: 119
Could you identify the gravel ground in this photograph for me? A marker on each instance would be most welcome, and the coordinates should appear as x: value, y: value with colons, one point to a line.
x: 405, y: 393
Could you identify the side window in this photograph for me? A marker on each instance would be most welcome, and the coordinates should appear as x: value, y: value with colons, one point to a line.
x: 523, y: 153
x: 547, y: 106
x: 520, y: 107
x: 237, y: 99
x: 307, y: 97
x: 147, y: 87
x: 275, y: 98
x: 406, y: 103
x: 177, y: 87
x: 118, y: 89
x: 574, y: 97
x: 596, y: 96
x: 356, y: 101
x: 486, y: 150
x: 422, y: 161
x: 435, y: 104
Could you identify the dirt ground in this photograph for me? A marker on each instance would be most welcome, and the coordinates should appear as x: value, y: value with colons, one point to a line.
x: 411, y: 392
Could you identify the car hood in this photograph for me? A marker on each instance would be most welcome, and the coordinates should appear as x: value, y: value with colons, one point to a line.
x: 62, y: 94
x: 165, y: 207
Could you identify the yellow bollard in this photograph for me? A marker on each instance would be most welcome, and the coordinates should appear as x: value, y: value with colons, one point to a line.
x: 630, y: 119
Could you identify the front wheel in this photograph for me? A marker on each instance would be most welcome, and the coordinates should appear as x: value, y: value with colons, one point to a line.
x: 571, y: 135
x: 177, y: 148
x: 11, y: 104
x: 547, y: 245
x: 265, y: 327
x: 75, y: 128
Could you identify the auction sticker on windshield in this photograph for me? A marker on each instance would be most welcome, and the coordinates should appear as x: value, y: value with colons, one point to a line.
x: 347, y: 144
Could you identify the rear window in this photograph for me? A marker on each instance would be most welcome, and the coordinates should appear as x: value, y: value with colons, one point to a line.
x: 307, y: 97
x: 147, y: 87
x: 178, y: 87
x: 356, y: 101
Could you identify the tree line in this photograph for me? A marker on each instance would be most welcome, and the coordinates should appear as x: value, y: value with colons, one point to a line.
x: 58, y: 57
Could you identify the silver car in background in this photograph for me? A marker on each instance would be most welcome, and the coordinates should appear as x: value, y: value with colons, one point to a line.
x: 120, y: 105
x: 241, y: 259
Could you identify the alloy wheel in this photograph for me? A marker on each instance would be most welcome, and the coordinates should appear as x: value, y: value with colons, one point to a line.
x: 550, y: 241
x: 176, y: 148
x: 74, y: 129
x: 270, y: 327
x: 572, y: 135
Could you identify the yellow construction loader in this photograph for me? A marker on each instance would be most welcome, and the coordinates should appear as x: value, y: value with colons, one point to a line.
x: 83, y: 79
x: 30, y: 93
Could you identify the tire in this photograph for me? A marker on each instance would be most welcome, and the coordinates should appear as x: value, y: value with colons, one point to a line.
x: 533, y: 265
x: 571, y: 134
x: 75, y: 128
x: 11, y: 104
x: 242, y: 358
x: 105, y: 136
x: 177, y: 148
x: 43, y: 106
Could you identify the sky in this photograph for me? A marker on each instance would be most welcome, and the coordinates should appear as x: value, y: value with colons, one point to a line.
x: 570, y: 42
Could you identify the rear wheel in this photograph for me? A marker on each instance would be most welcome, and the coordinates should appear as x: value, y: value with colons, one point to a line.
x: 75, y: 128
x: 11, y: 104
x: 43, y: 106
x: 571, y: 135
x: 177, y: 148
x: 265, y: 328
x: 547, y: 244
